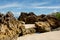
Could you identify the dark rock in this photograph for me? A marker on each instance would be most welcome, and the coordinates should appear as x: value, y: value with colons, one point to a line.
x: 27, y: 18
x: 31, y: 19
x: 41, y: 18
x: 1, y: 18
x: 22, y: 17
x: 52, y: 21
x: 31, y: 14
x: 56, y: 29
x: 9, y: 17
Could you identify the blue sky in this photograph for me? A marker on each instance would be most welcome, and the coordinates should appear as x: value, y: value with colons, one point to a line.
x: 36, y: 6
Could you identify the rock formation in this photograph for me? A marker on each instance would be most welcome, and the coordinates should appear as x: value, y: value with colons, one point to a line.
x: 40, y: 18
x: 22, y: 17
x: 52, y: 21
x: 48, y: 23
x: 28, y: 18
x: 1, y: 18
x: 10, y: 28
x: 43, y: 22
x: 42, y: 26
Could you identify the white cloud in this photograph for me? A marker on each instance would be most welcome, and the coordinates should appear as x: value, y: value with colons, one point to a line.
x: 55, y: 10
x: 18, y: 5
x: 9, y: 5
x: 49, y: 7
x: 39, y: 4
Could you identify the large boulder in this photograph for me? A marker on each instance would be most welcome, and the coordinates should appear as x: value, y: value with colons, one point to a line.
x: 11, y: 27
x: 42, y: 27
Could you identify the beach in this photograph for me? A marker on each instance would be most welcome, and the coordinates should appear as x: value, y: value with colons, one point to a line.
x: 54, y: 35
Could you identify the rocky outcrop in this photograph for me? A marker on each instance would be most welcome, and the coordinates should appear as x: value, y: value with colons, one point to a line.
x: 28, y: 18
x: 10, y: 27
x: 43, y: 22
x: 48, y: 23
x: 31, y: 18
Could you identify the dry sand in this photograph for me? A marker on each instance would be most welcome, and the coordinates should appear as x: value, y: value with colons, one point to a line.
x: 55, y: 35
x: 29, y: 25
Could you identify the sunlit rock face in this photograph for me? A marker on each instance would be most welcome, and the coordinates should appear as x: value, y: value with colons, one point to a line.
x: 10, y: 27
x: 30, y: 30
x: 42, y: 26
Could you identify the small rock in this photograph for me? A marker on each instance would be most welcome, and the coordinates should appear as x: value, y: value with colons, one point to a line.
x: 42, y: 26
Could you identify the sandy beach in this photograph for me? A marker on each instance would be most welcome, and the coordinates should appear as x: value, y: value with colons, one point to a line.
x: 29, y: 25
x: 55, y: 35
